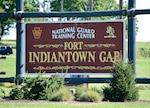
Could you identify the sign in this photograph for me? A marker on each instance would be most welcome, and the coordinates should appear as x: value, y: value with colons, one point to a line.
x: 79, y: 47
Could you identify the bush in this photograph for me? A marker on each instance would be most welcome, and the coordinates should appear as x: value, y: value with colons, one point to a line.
x: 108, y: 96
x: 144, y: 52
x: 62, y: 95
x: 2, y: 93
x: 122, y: 86
x: 89, y: 96
x: 79, y: 91
x: 17, y: 93
x: 53, y: 86
x: 37, y: 88
x: 1, y: 84
x: 98, y: 90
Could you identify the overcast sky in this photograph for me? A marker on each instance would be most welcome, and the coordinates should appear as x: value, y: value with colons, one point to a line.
x: 144, y: 21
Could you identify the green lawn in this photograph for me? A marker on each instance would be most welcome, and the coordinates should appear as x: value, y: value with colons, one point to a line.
x: 142, y: 64
x: 9, y: 64
x: 143, y: 67
x: 144, y: 94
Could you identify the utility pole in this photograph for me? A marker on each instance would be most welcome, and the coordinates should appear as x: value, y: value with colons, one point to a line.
x: 90, y: 7
x: 61, y: 7
x: 120, y: 6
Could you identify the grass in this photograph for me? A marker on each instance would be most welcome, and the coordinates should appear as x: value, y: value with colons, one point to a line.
x: 9, y: 64
x: 144, y: 95
x: 142, y: 64
x: 143, y: 68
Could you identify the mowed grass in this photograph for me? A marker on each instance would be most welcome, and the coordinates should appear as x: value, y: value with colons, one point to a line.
x: 143, y: 67
x: 144, y: 95
x: 9, y: 64
x: 142, y: 64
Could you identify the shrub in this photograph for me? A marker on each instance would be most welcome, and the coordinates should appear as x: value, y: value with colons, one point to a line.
x: 37, y: 88
x: 1, y: 84
x: 2, y: 93
x: 17, y: 94
x: 62, y: 95
x: 98, y: 90
x: 108, y: 96
x: 89, y: 96
x: 53, y: 86
x: 122, y: 86
x: 79, y: 91
x: 144, y: 52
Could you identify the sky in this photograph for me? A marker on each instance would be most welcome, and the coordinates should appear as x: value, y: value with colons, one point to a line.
x: 143, y: 21
x: 143, y: 33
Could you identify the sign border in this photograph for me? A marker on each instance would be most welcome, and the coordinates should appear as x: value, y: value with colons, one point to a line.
x: 23, y: 58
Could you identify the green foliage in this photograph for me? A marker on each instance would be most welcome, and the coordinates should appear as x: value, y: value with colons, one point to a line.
x: 6, y: 23
x: 84, y: 6
x: 108, y: 96
x: 1, y: 84
x: 144, y: 52
x: 37, y: 88
x: 122, y: 86
x: 69, y: 5
x: 31, y: 6
x: 17, y: 93
x: 53, y: 86
x: 79, y: 91
x: 98, y: 90
x: 89, y: 96
x: 2, y: 93
x: 10, y: 6
x: 63, y: 94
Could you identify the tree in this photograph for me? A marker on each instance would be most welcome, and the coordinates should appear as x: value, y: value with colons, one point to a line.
x: 84, y: 5
x: 6, y: 23
x: 122, y: 85
x: 9, y: 6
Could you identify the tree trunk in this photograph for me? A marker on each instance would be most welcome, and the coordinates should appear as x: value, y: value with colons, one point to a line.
x: 2, y: 32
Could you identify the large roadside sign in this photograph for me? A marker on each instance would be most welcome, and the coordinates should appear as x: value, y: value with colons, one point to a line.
x: 79, y: 47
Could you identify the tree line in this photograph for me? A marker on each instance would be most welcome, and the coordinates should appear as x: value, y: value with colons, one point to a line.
x: 54, y: 6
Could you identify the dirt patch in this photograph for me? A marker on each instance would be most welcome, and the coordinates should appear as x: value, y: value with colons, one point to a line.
x: 70, y: 102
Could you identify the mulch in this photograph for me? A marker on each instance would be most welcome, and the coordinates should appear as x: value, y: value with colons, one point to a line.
x: 70, y: 102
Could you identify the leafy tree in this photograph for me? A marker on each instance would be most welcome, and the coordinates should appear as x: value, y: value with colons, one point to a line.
x: 55, y: 5
x: 6, y: 23
x: 31, y: 6
x: 9, y: 6
x: 84, y: 5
